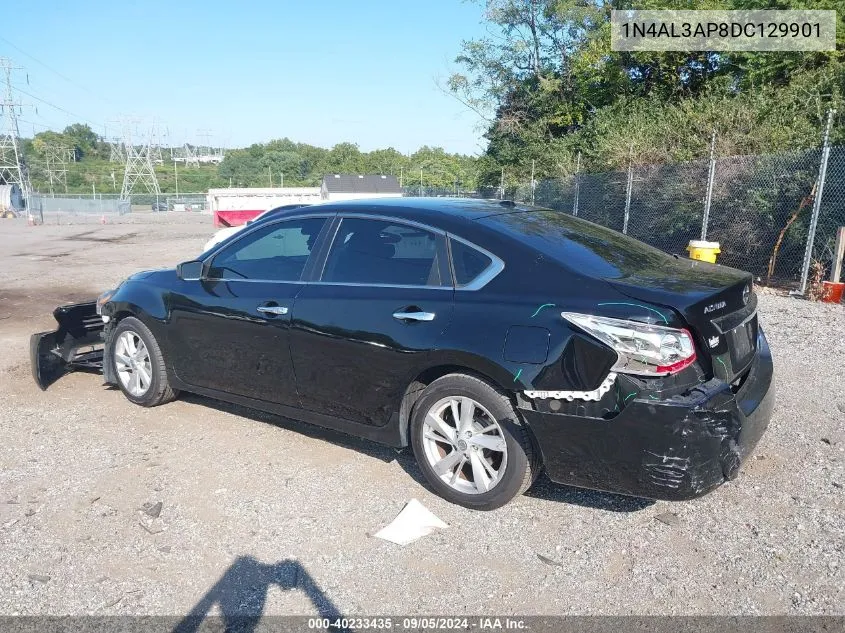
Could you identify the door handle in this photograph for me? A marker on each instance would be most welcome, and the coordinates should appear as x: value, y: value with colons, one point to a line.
x: 275, y: 310
x: 414, y: 316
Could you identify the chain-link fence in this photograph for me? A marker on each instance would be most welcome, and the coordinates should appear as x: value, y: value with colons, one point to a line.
x: 760, y: 207
x: 48, y: 208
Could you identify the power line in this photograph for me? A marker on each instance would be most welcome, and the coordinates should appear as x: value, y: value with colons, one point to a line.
x: 56, y: 72
x: 59, y: 108
x: 41, y: 125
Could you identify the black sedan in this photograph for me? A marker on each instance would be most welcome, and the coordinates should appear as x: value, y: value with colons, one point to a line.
x: 492, y: 338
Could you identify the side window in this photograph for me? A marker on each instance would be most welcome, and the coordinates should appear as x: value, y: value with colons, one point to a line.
x: 277, y: 252
x: 381, y: 252
x: 468, y: 263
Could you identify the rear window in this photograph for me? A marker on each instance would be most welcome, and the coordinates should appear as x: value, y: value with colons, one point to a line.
x: 579, y: 244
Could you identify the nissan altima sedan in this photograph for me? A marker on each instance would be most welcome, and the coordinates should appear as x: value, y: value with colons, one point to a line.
x: 494, y: 339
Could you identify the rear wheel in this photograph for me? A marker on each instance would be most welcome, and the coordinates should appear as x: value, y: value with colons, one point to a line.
x: 139, y: 365
x: 470, y: 444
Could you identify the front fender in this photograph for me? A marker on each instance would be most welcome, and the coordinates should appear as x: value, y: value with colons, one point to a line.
x: 140, y: 300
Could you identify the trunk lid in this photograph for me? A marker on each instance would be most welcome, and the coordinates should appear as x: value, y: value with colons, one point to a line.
x: 717, y: 302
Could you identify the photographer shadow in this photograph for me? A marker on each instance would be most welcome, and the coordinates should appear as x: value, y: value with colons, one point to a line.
x: 241, y: 594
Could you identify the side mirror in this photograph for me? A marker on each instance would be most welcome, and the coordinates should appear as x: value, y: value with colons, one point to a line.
x: 189, y: 271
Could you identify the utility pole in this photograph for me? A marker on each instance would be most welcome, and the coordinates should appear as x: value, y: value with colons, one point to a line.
x: 420, y: 182
x: 577, y: 185
x: 502, y: 186
x: 175, y: 175
x: 400, y: 176
x: 13, y: 169
x: 282, y: 179
x: 270, y: 174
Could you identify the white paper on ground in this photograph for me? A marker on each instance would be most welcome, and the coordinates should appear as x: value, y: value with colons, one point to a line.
x: 413, y: 522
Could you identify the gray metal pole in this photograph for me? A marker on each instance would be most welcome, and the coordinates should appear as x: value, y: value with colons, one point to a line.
x: 628, y: 197
x: 710, y: 178
x: 817, y: 203
x: 577, y: 185
x: 533, y: 184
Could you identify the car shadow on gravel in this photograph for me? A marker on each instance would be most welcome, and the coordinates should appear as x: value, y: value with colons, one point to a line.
x: 241, y: 593
x: 543, y: 488
x: 379, y: 451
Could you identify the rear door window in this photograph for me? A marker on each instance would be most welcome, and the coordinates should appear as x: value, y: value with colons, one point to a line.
x: 467, y: 262
x: 277, y: 252
x: 380, y: 252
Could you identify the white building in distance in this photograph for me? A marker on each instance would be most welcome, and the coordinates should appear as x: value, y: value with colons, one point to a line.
x: 355, y: 186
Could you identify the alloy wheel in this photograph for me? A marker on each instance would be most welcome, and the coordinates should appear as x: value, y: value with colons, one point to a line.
x: 132, y: 362
x: 464, y: 445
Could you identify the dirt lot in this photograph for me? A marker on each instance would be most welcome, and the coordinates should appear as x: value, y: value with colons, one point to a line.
x: 254, y: 504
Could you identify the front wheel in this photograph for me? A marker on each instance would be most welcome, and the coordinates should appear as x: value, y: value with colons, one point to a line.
x: 139, y: 365
x: 470, y: 444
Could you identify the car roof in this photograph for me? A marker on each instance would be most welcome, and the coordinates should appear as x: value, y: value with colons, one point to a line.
x: 438, y: 212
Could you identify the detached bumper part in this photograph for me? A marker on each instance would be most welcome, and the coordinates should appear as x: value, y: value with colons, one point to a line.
x: 674, y: 449
x: 76, y: 344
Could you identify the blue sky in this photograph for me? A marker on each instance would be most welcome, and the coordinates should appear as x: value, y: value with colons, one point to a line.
x: 249, y: 71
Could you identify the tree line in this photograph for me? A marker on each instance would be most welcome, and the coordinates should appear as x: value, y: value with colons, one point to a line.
x: 273, y: 163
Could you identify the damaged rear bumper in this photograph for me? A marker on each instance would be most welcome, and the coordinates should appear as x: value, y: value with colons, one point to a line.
x: 76, y: 344
x: 674, y: 449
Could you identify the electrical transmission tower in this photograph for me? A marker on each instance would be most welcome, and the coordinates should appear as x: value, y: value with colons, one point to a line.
x: 56, y: 158
x: 116, y: 149
x: 139, y: 164
x: 155, y: 145
x: 116, y: 155
x: 191, y: 156
x: 13, y: 169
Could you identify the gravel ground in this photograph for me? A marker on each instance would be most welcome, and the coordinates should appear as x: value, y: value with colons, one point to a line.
x: 253, y: 504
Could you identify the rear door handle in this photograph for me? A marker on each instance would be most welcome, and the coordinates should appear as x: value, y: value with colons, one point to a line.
x: 414, y: 316
x: 272, y: 309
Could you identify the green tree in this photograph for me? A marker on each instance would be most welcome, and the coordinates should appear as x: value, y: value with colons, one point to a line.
x: 83, y: 139
x: 550, y: 87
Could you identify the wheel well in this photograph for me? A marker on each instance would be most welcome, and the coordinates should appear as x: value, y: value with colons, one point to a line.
x: 423, y: 380
x: 119, y: 316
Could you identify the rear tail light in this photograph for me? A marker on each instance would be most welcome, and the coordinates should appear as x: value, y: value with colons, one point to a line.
x: 643, y: 349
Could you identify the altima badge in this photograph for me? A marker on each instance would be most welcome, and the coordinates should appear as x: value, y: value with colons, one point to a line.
x: 715, y: 306
x: 745, y: 294
x: 713, y: 341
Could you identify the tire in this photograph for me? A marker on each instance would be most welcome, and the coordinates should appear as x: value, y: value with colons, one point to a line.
x: 147, y: 361
x: 452, y: 456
